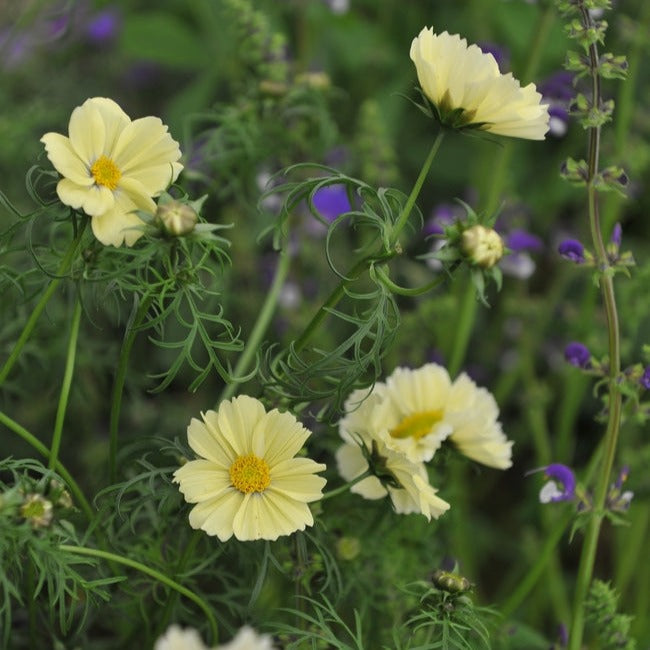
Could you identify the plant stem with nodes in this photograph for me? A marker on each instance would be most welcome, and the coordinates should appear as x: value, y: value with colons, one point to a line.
x: 588, y: 556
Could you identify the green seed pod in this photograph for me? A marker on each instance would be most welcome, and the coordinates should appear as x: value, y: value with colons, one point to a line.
x: 451, y: 582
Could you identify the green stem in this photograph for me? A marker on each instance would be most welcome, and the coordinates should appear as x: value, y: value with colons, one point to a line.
x: 345, y: 487
x: 63, y: 267
x: 65, y: 386
x: 525, y: 586
x: 408, y: 291
x: 463, y: 329
x: 366, y: 262
x: 260, y: 327
x: 32, y: 440
x: 588, y: 556
x: 415, y: 192
x: 157, y: 575
x: 120, y: 378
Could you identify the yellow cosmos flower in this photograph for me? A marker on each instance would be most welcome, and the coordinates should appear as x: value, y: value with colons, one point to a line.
x: 411, y: 491
x: 467, y: 89
x: 247, y: 482
x: 112, y: 166
x: 473, y: 413
x: 408, y: 411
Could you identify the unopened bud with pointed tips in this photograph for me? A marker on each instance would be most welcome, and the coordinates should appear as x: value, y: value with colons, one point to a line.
x: 483, y: 246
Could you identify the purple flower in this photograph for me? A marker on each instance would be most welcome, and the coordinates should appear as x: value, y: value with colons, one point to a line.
x: 572, y: 250
x: 331, y: 201
x: 562, y: 487
x: 558, y: 123
x: 442, y: 215
x: 577, y: 354
x: 645, y: 378
x: 622, y: 477
x: 520, y: 240
x: 617, y: 235
x: 103, y: 26
x: 558, y: 91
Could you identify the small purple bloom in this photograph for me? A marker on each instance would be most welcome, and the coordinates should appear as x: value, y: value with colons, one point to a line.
x: 622, y: 477
x: 558, y: 86
x: 103, y: 27
x: 617, y: 235
x: 562, y: 487
x: 331, y: 201
x: 577, y: 354
x: 572, y: 250
x: 442, y: 215
x: 520, y: 240
x: 645, y: 378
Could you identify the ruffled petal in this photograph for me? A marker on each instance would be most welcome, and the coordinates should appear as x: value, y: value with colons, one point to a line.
x: 87, y: 132
x: 216, y: 516
x: 93, y: 200
x: 120, y: 224
x: 65, y: 159
x: 200, y: 480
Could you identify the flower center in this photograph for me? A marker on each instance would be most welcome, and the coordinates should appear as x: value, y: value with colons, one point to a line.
x: 417, y: 425
x: 250, y: 474
x: 105, y: 172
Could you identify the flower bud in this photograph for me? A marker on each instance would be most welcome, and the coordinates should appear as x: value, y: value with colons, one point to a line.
x: 177, y: 218
x: 37, y: 510
x: 348, y: 547
x: 483, y: 246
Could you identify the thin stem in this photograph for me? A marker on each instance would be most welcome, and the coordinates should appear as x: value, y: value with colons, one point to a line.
x: 588, y: 556
x: 120, y: 378
x: 65, y: 385
x: 408, y: 291
x: 463, y: 329
x: 532, y: 576
x: 153, y: 573
x: 346, y: 486
x: 59, y: 468
x: 63, y: 267
x: 415, y: 192
x: 366, y: 262
x: 260, y: 327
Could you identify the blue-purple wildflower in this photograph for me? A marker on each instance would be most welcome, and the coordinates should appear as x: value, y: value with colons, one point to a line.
x: 561, y: 487
x: 577, y: 354
x: 572, y: 250
x: 644, y: 380
x: 331, y: 201
x: 558, y: 92
x: 104, y: 26
x: 617, y: 235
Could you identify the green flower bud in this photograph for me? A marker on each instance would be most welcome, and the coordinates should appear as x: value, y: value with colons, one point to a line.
x: 483, y: 246
x: 348, y: 547
x: 37, y: 510
x: 177, y: 218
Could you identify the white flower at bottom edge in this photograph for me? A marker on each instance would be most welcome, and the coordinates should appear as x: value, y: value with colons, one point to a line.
x: 248, y: 639
x: 176, y: 638
x: 415, y: 494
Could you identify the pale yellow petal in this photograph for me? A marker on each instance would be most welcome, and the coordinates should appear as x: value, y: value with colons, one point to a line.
x: 236, y: 420
x: 87, y: 132
x: 200, y: 480
x: 156, y: 178
x: 278, y: 436
x: 114, y: 118
x: 145, y: 143
x: 65, y: 159
x: 120, y: 224
x: 209, y: 443
x: 296, y: 478
x: 215, y: 516
x: 93, y: 200
x: 351, y: 464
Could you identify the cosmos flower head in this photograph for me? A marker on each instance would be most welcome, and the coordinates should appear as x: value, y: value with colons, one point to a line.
x: 467, y: 90
x: 177, y: 638
x: 112, y: 166
x: 247, y: 481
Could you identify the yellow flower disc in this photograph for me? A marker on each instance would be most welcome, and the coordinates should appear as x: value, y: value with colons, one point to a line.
x: 106, y: 172
x: 250, y: 474
x: 417, y: 425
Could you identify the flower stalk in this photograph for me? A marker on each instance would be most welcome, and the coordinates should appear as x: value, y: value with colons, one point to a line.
x: 588, y: 556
